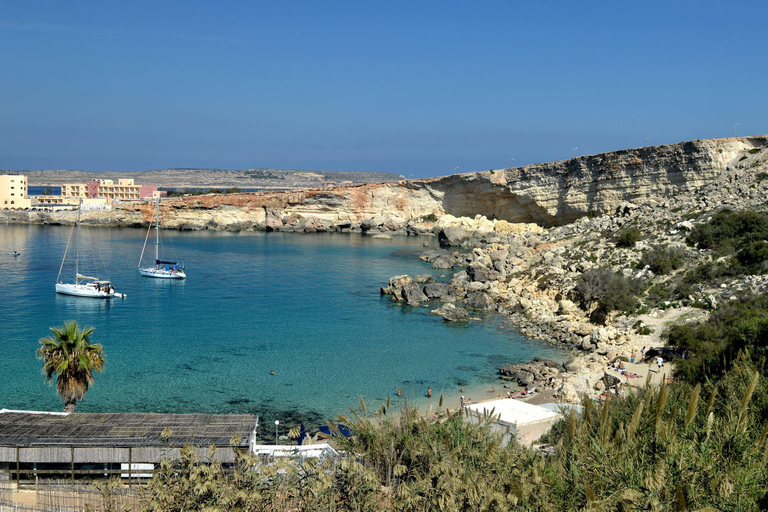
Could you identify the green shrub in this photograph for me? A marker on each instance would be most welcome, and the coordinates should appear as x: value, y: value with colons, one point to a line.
x: 611, y: 292
x: 712, y: 346
x: 628, y: 237
x: 708, y: 272
x: 662, y: 260
x: 728, y: 230
x: 754, y: 257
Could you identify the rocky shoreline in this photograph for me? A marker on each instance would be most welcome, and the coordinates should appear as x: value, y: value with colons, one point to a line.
x: 530, y: 274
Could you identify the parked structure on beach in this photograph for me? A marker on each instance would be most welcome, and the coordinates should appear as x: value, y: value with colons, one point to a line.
x: 128, y: 445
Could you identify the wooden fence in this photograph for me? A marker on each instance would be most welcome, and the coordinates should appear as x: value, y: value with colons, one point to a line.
x: 64, y: 496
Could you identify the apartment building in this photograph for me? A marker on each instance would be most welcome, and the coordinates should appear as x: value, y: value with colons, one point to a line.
x: 123, y: 190
x: 13, y: 192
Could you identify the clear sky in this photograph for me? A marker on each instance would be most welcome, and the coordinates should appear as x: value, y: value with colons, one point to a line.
x: 418, y: 87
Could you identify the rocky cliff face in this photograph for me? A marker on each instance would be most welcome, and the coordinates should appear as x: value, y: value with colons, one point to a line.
x: 547, y: 194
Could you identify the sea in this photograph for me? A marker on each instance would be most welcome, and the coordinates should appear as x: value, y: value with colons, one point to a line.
x: 304, y: 306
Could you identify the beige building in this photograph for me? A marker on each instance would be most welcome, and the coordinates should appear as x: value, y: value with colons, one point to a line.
x: 13, y: 191
x: 123, y: 190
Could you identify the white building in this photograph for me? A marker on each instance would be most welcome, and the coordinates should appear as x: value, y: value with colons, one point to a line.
x: 511, y: 417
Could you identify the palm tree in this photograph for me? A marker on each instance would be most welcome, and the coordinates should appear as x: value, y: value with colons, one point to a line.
x: 72, y: 358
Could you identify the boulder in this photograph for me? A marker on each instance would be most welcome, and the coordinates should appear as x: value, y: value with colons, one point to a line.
x: 567, y: 393
x: 452, y: 313
x: 412, y: 293
x: 479, y: 272
x: 366, y: 224
x: 499, y: 255
x: 273, y: 222
x: 394, y: 223
x: 395, y: 287
x: 439, y: 291
x: 566, y: 307
x: 452, y: 236
x: 313, y: 225
x: 549, y: 363
x: 601, y: 335
x: 431, y: 255
x: 343, y: 224
x: 479, y: 300
x: 443, y: 262
x: 424, y: 278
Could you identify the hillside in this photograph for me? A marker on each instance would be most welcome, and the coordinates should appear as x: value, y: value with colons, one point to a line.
x: 280, y: 179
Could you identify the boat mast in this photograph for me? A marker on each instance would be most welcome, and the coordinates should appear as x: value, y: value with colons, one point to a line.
x: 157, y: 230
x: 77, y: 241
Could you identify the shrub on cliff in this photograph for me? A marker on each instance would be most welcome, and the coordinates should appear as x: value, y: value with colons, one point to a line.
x: 712, y: 346
x: 629, y: 237
x: 727, y: 230
x: 608, y: 290
x: 753, y: 257
x: 662, y: 260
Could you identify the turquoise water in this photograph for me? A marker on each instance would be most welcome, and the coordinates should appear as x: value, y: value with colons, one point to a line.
x: 306, y: 306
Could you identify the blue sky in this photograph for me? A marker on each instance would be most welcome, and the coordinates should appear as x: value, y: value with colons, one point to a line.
x: 418, y: 88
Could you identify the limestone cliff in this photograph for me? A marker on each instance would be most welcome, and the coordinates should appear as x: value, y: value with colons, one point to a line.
x: 549, y: 194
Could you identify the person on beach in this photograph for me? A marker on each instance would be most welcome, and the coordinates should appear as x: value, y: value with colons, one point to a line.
x: 632, y: 357
x: 642, y: 354
x: 463, y: 401
x: 429, y: 392
x: 493, y: 389
x: 660, y: 363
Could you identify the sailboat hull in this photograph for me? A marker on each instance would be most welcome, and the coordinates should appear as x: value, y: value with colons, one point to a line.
x: 160, y: 273
x: 85, y: 290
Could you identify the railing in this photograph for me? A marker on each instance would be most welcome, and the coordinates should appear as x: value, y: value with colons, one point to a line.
x: 62, y: 495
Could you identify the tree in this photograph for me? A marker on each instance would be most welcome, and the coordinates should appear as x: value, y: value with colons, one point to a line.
x: 71, y: 358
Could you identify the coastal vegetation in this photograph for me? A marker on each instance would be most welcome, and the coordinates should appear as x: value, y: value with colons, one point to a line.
x: 629, y: 237
x: 70, y: 358
x: 736, y: 327
x: 602, y: 291
x: 681, y: 446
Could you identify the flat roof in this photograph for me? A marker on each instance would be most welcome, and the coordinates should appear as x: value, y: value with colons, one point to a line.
x: 514, y: 412
x: 31, y: 428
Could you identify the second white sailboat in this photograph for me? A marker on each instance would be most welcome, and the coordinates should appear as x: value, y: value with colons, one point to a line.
x: 161, y: 269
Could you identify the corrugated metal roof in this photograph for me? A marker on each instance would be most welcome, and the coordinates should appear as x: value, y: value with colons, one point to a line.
x: 123, y: 429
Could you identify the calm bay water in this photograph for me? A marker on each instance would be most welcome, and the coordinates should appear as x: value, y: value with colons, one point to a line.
x: 304, y: 306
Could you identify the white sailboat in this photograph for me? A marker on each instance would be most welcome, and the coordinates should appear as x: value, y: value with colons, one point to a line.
x: 84, y: 286
x: 161, y: 269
